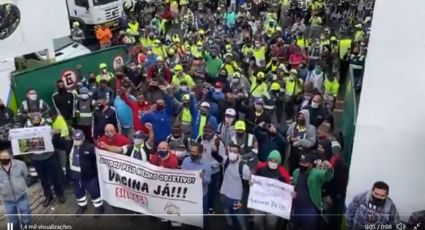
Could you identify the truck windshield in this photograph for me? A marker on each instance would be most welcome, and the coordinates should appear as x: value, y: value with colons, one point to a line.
x: 102, y: 2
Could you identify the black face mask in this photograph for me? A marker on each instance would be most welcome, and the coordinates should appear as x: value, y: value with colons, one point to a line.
x: 193, y: 157
x: 240, y: 134
x: 101, y: 107
x: 61, y: 90
x: 2, y: 106
x: 92, y: 80
x: 378, y: 201
x: 5, y: 161
x: 301, y: 122
x: 303, y: 168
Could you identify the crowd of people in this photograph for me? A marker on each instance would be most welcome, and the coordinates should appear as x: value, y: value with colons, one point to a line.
x: 232, y: 88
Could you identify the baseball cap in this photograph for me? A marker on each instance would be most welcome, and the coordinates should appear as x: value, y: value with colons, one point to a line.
x: 78, y: 135
x: 205, y: 104
x: 240, y: 125
x: 259, y: 101
x: 139, y: 135
x: 230, y: 112
x: 306, y: 158
x: 84, y: 90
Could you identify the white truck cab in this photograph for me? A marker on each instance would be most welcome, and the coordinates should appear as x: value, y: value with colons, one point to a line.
x: 65, y: 48
x: 93, y: 13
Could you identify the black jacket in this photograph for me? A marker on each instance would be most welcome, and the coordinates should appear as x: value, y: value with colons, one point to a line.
x: 64, y: 102
x: 87, y: 161
x: 6, y: 116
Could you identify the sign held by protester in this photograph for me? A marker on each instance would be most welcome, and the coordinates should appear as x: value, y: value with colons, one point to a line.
x: 271, y: 196
x: 136, y: 185
x: 34, y: 140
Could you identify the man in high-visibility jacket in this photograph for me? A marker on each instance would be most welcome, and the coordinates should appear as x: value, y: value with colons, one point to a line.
x: 133, y: 27
x: 180, y: 77
x: 331, y: 85
x: 159, y: 49
x: 259, y: 87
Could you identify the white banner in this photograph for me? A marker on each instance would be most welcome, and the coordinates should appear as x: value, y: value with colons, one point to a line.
x: 271, y: 196
x: 31, y: 140
x: 145, y: 188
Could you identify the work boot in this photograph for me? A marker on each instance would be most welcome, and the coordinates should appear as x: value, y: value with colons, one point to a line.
x: 61, y: 199
x: 99, y: 211
x: 48, y: 201
x: 81, y: 210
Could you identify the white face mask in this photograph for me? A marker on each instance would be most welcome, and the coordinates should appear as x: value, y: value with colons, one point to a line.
x: 84, y: 96
x: 233, y: 156
x: 314, y: 105
x: 78, y: 143
x: 180, y: 154
x: 217, y: 90
x: 137, y: 141
x: 32, y: 97
x: 183, y: 88
x: 235, y: 80
x: 149, y: 53
x: 272, y: 165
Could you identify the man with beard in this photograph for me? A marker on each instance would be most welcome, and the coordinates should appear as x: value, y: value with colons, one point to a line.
x: 372, y: 208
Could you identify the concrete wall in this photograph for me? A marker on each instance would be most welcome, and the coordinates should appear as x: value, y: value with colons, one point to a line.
x: 390, y: 134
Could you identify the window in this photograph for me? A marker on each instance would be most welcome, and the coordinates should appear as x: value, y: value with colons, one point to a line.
x: 82, y: 3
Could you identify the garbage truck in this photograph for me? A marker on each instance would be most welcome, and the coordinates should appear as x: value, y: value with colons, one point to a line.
x: 93, y: 13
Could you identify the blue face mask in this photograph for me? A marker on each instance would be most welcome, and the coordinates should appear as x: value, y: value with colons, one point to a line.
x: 317, y: 71
x: 162, y: 154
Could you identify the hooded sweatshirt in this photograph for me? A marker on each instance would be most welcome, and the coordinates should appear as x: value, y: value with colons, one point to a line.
x: 309, y: 138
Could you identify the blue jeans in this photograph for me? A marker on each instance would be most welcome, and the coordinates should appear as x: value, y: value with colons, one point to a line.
x: 234, y: 221
x: 21, y: 206
x: 305, y: 218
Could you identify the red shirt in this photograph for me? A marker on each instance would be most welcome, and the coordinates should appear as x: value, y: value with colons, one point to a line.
x: 282, y: 171
x: 118, y: 140
x: 137, y: 111
x: 170, y: 162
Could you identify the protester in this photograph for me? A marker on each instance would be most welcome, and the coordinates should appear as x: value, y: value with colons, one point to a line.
x: 104, y: 36
x: 13, y: 189
x: 301, y: 138
x: 233, y: 189
x: 163, y: 157
x: 195, y: 162
x: 64, y: 101
x: 84, y: 173
x: 372, y: 208
x: 30, y: 105
x: 214, y: 152
x: 270, y: 169
x: 111, y: 140
x: 103, y: 115
x: 307, y: 201
x: 48, y: 169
